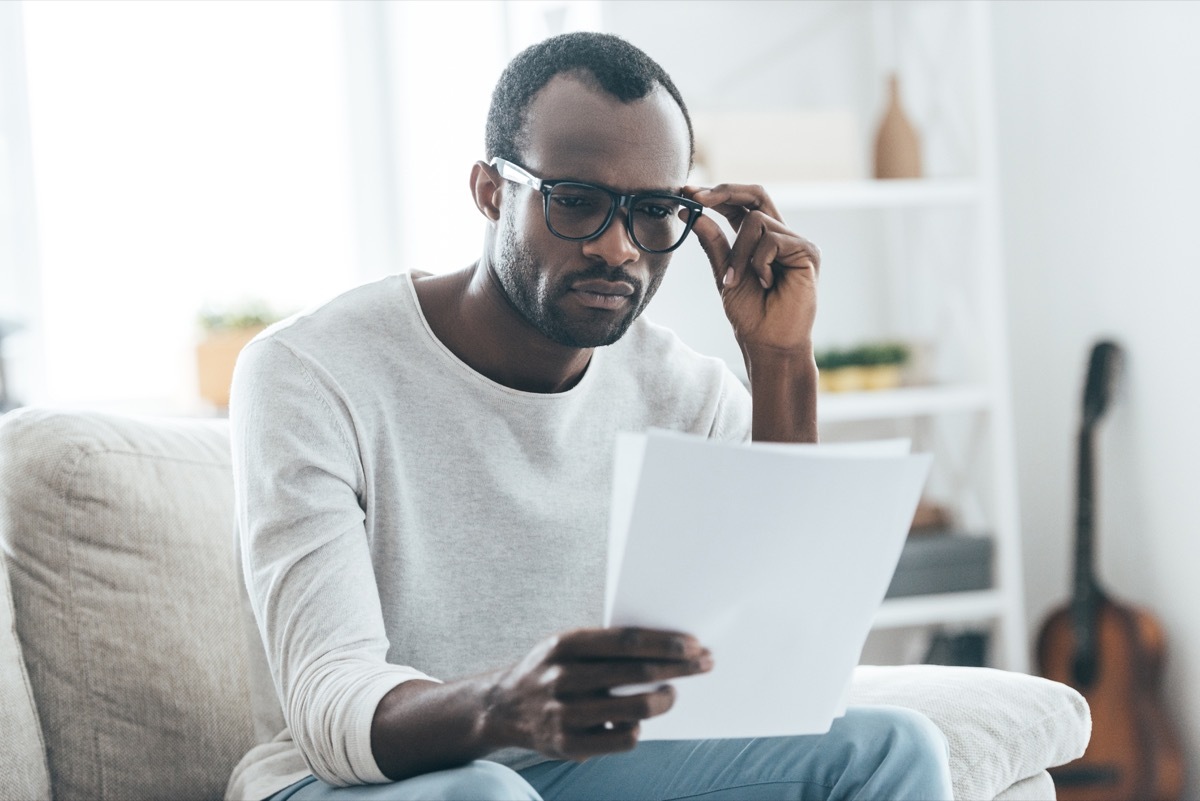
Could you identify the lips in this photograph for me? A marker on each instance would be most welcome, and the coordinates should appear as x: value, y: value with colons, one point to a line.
x: 597, y: 286
x: 600, y: 294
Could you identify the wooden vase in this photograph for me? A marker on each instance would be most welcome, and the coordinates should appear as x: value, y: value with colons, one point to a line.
x: 897, y: 147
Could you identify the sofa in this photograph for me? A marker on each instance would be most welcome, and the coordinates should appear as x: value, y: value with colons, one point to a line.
x: 126, y: 670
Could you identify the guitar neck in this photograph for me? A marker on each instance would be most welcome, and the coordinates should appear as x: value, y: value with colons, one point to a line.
x: 1086, y: 587
x: 1088, y: 598
x: 1085, y: 575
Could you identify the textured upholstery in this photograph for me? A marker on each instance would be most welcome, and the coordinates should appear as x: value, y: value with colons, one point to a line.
x: 22, y: 755
x: 117, y: 538
x: 1002, y: 727
x: 1038, y: 787
x: 118, y: 534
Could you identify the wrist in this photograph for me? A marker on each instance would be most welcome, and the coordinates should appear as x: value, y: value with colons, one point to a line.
x: 494, y: 723
x: 783, y: 390
x: 770, y: 360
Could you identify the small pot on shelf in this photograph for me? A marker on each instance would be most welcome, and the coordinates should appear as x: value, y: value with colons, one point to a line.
x: 216, y: 354
x: 225, y: 333
x: 870, y: 367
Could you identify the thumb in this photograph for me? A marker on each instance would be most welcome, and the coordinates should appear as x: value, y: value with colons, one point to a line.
x: 715, y: 246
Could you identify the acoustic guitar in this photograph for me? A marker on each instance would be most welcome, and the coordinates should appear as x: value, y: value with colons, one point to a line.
x: 1112, y: 653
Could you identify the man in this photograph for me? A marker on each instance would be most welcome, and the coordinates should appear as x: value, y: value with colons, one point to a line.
x: 422, y: 470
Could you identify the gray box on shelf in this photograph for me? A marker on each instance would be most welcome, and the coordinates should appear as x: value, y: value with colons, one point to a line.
x: 942, y: 561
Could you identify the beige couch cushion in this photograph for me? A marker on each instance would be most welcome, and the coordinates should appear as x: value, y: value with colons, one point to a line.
x: 22, y: 753
x: 1003, y: 728
x: 1038, y: 787
x: 118, y: 534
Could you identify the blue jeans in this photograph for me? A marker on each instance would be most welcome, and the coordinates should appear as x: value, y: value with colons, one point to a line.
x: 872, y: 753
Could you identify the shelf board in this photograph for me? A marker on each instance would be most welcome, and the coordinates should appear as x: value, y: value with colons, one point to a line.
x: 870, y: 194
x: 833, y: 407
x: 948, y: 607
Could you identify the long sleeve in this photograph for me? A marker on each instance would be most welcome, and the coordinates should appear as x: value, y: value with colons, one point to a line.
x: 306, y: 560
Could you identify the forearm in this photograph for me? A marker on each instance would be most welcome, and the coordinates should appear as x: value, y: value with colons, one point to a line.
x: 423, y: 726
x: 783, y: 388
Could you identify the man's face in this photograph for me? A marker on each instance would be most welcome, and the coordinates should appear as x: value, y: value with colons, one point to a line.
x: 587, y: 294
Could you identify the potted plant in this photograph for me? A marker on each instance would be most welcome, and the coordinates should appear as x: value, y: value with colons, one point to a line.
x: 882, y: 363
x: 225, y: 331
x: 870, y: 366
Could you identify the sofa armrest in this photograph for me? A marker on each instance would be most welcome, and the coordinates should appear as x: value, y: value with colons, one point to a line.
x: 1038, y: 787
x: 23, y: 769
x: 1002, y: 727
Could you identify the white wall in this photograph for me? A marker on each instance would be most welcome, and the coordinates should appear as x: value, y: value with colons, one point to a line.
x: 1099, y: 136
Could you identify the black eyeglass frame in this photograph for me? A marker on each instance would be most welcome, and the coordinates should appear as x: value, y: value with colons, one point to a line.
x: 511, y: 171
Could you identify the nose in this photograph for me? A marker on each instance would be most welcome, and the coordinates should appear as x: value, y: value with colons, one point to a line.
x: 614, y: 246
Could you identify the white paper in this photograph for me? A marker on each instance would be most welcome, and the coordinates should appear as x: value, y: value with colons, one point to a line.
x: 775, y: 556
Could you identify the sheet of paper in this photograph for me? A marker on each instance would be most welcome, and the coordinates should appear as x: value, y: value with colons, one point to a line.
x: 775, y: 556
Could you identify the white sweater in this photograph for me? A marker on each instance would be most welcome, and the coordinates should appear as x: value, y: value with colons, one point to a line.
x: 401, y: 516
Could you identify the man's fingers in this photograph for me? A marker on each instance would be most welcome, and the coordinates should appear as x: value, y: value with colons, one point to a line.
x: 732, y: 199
x: 765, y: 253
x: 752, y: 232
x: 715, y: 246
x: 798, y: 253
x: 588, y: 678
x: 626, y: 643
x: 602, y: 739
x: 763, y: 240
x: 592, y: 712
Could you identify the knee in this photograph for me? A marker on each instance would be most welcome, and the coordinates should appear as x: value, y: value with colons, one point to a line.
x: 481, y: 781
x: 903, y: 752
x: 911, y: 735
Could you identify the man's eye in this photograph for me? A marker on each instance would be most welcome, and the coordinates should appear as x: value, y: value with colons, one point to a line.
x: 573, y: 201
x: 655, y: 211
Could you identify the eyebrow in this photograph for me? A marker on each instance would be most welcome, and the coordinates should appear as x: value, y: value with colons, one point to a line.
x: 677, y: 191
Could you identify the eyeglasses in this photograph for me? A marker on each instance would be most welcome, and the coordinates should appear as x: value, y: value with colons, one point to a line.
x: 580, y: 212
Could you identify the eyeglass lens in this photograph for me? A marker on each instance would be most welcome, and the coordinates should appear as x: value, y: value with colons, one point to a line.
x: 578, y: 211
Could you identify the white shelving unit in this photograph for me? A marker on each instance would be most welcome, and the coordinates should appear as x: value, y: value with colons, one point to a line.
x: 905, y: 402
x: 951, y: 607
x: 935, y: 269
x: 876, y: 194
x: 912, y: 260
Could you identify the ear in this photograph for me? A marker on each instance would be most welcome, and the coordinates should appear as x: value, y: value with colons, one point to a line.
x: 485, y: 187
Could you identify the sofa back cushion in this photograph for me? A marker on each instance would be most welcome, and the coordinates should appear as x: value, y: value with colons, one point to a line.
x: 118, y: 538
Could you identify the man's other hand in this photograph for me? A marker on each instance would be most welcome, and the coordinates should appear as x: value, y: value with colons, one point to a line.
x: 768, y: 276
x: 557, y: 700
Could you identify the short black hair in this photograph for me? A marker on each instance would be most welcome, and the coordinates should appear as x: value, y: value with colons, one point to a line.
x: 613, y: 64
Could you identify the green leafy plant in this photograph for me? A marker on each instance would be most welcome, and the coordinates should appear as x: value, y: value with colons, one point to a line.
x: 831, y: 359
x: 866, y: 355
x: 251, y: 314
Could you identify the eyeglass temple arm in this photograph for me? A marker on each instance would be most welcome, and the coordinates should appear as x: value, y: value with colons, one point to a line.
x: 512, y: 172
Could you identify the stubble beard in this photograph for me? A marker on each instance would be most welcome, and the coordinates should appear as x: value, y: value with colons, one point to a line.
x: 542, y: 303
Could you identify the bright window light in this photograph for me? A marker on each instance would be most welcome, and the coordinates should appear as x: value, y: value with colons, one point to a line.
x: 194, y: 154
x: 185, y: 153
x: 446, y: 58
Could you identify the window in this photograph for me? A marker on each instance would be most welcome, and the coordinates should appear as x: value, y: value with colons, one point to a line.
x: 191, y: 154
x: 183, y: 154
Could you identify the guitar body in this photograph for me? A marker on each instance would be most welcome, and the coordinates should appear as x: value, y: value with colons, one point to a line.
x: 1133, y: 753
x: 1110, y: 652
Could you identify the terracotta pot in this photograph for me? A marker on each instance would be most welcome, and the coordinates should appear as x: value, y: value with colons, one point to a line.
x: 215, y: 356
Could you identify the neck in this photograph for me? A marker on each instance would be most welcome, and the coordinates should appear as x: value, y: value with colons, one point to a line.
x: 472, y: 316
